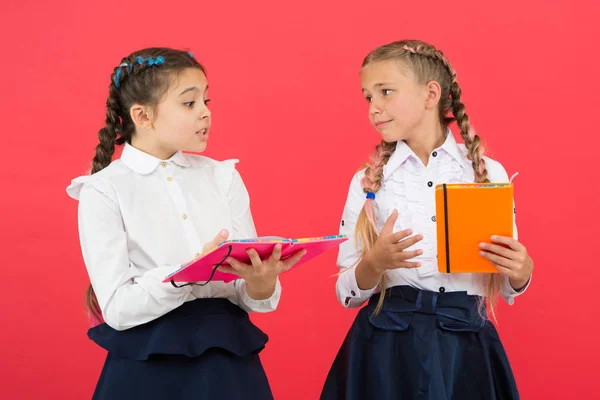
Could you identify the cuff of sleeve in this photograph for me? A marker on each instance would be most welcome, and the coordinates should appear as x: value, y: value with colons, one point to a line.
x: 509, y: 293
x: 349, y: 294
x: 265, y: 305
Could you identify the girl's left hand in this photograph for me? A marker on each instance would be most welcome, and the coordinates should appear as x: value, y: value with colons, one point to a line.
x: 261, y: 276
x: 512, y: 261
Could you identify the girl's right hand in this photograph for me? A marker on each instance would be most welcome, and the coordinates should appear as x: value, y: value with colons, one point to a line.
x: 389, y: 249
x: 261, y: 275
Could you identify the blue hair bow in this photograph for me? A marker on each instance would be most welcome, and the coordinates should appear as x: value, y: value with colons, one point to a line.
x: 151, y: 61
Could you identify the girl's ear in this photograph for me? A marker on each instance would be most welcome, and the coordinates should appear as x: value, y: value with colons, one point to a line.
x: 434, y: 92
x: 142, y: 116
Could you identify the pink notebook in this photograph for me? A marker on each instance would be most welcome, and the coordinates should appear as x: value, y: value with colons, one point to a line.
x: 201, y: 268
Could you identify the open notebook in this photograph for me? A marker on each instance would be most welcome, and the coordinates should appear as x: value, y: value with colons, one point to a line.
x: 468, y: 214
x: 203, y: 268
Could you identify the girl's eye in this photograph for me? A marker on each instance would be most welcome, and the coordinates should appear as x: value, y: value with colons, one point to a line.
x: 189, y: 104
x: 386, y: 92
x: 368, y: 98
x: 206, y: 102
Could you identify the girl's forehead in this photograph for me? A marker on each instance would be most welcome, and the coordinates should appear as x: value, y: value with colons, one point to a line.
x: 389, y: 70
x: 188, y: 79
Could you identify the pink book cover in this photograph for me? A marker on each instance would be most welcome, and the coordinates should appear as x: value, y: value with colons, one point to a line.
x: 201, y: 268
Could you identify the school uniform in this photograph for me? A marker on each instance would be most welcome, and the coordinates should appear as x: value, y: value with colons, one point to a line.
x: 140, y: 219
x: 429, y: 341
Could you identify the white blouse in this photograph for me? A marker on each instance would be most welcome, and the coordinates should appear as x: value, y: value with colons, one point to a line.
x: 141, y: 218
x: 409, y: 187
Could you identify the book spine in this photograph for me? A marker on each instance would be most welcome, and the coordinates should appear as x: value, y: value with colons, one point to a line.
x: 446, y: 229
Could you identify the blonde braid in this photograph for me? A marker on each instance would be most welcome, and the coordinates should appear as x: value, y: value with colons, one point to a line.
x: 492, y: 282
x: 366, y: 229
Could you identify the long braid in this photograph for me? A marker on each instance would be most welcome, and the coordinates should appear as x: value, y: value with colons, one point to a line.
x: 472, y: 140
x: 373, y: 178
x: 366, y: 228
x: 104, y: 152
x: 492, y: 282
x: 107, y: 135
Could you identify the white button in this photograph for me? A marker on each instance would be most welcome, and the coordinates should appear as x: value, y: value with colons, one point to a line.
x: 163, y: 164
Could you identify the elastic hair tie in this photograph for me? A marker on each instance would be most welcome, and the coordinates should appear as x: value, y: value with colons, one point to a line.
x: 118, y: 75
x: 369, y: 210
x: 155, y: 61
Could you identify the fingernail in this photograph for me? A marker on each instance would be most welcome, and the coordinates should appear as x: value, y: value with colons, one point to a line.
x: 419, y: 252
x: 224, y: 232
x: 482, y: 245
x: 418, y: 264
x: 494, y: 238
x: 482, y: 253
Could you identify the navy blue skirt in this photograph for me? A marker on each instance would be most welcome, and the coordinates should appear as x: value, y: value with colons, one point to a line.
x: 205, y: 349
x: 423, y: 345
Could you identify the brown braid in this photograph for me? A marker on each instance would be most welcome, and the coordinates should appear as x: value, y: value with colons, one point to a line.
x: 104, y: 152
x: 430, y: 64
x: 138, y: 83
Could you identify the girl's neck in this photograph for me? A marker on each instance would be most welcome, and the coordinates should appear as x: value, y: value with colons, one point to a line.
x: 151, y: 147
x: 427, y: 139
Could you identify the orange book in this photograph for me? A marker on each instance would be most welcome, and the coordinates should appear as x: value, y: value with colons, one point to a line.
x: 468, y: 214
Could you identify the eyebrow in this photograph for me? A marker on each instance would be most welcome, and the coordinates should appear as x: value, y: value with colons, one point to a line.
x: 193, y: 88
x: 378, y: 85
